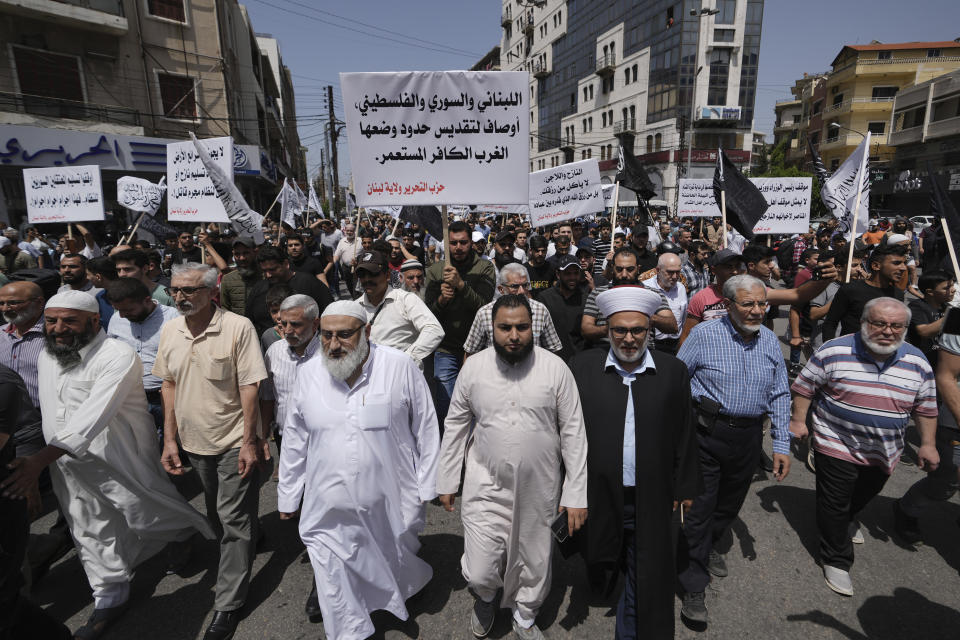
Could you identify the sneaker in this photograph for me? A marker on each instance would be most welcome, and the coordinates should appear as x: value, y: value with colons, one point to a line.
x: 717, y: 564
x: 838, y: 580
x: 694, y: 609
x: 810, y: 459
x: 484, y: 613
x: 531, y: 633
x: 906, y: 526
x: 856, y: 534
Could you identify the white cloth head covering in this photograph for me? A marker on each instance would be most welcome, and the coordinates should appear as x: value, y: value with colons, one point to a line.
x: 4, y: 242
x: 628, y: 298
x: 79, y: 300
x: 345, y: 308
x: 897, y: 238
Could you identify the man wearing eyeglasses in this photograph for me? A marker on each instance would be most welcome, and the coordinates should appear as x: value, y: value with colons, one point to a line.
x: 211, y: 366
x: 513, y: 279
x: 737, y: 379
x: 867, y: 386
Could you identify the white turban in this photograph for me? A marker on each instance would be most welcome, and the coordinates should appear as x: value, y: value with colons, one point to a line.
x: 628, y: 298
x: 79, y: 300
x: 345, y: 308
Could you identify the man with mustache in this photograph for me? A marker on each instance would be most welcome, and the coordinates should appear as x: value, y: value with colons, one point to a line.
x: 515, y: 416
x: 360, y: 452
x: 235, y: 285
x: 211, y: 366
x: 21, y: 338
x: 868, y: 385
x: 101, y: 443
x: 737, y: 378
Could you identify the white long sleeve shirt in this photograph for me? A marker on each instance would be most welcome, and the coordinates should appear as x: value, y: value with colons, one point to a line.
x: 403, y: 321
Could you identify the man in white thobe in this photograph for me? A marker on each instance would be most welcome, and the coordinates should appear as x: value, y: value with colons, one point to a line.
x: 360, y: 450
x: 525, y: 410
x: 102, y: 450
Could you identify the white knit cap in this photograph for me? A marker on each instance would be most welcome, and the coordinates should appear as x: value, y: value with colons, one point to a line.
x: 79, y: 300
x: 628, y: 298
x: 4, y: 242
x: 349, y: 308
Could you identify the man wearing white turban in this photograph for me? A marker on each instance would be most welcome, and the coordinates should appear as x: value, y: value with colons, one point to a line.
x: 359, y: 450
x: 638, y: 470
x: 101, y: 448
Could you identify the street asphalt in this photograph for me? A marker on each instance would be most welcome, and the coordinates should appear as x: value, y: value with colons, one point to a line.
x: 775, y: 588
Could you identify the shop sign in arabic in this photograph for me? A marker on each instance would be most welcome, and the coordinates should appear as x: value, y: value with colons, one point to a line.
x: 789, y: 200
x: 63, y: 194
x: 445, y: 137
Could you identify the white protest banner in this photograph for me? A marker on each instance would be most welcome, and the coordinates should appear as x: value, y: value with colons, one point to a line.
x: 565, y: 192
x: 63, y: 194
x: 314, y: 203
x: 438, y: 137
x: 246, y: 222
x: 608, y: 190
x: 141, y: 195
x: 789, y: 200
x: 191, y: 196
x: 390, y: 210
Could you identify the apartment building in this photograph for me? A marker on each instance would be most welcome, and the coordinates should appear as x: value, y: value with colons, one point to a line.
x: 626, y: 70
x: 111, y: 82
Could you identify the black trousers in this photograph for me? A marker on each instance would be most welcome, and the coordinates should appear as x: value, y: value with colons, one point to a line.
x: 626, y: 628
x: 728, y: 458
x: 843, y: 490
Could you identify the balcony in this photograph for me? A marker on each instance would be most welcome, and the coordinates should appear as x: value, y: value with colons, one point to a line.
x: 526, y: 24
x: 506, y: 18
x: 58, y: 108
x: 892, y: 66
x: 101, y: 16
x: 628, y: 126
x: 907, y: 136
x: 861, y: 104
x: 568, y: 143
x: 606, y: 65
x: 540, y: 70
x: 942, y: 128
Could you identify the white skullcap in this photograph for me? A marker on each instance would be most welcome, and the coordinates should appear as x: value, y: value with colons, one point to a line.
x: 345, y: 308
x: 897, y: 238
x: 4, y: 242
x: 79, y: 300
x: 628, y: 298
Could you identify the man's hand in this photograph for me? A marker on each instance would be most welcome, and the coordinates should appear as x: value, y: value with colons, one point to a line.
x: 248, y: 459
x: 23, y: 480
x: 447, y: 500
x: 170, y: 459
x: 289, y: 516
x: 264, y: 449
x: 588, y: 278
x: 34, y: 502
x: 828, y: 270
x: 928, y: 458
x: 798, y: 428
x: 452, y: 277
x: 796, y: 341
x: 447, y: 294
x: 575, y: 518
x: 781, y: 466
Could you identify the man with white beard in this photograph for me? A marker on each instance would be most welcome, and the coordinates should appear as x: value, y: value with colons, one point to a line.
x: 737, y: 379
x: 867, y: 387
x: 101, y: 448
x: 413, y: 277
x: 515, y: 416
x: 360, y: 450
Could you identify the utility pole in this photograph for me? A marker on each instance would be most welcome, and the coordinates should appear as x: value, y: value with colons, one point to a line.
x: 327, y: 178
x: 333, y: 148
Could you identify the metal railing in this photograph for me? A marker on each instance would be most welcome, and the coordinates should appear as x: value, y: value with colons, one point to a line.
x: 606, y: 62
x: 625, y: 126
x: 60, y: 108
x: 539, y: 69
x: 890, y: 61
x: 506, y: 17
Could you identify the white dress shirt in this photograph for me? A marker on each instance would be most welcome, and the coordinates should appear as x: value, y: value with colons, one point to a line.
x: 403, y: 321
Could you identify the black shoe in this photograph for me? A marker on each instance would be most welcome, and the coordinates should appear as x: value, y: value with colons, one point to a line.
x: 45, y: 550
x: 177, y: 555
x: 312, y: 607
x: 907, y: 527
x: 694, y: 609
x: 100, y: 620
x: 223, y: 625
x: 717, y: 564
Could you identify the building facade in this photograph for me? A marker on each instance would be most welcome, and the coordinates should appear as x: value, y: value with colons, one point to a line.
x: 602, y: 73
x: 111, y: 82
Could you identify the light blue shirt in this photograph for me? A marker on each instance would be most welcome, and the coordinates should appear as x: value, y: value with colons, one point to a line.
x: 629, y: 435
x: 144, y: 337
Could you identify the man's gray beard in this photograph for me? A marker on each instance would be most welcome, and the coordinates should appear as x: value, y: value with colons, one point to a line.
x: 749, y: 328
x: 188, y: 310
x: 419, y: 293
x: 623, y: 357
x: 880, y: 349
x: 68, y: 355
x: 343, y: 368
x: 18, y: 318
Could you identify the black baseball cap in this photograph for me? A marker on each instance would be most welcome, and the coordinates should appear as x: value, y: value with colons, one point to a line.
x: 567, y: 260
x: 723, y: 256
x: 504, y: 235
x: 372, y: 261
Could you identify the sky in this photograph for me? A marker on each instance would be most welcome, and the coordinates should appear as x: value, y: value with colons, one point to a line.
x: 320, y: 39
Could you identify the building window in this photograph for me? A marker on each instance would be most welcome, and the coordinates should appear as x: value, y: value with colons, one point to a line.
x: 178, y: 96
x: 604, y: 114
x: 723, y: 35
x: 838, y: 100
x: 649, y: 144
x: 609, y: 151
x: 884, y: 92
x: 590, y: 123
x: 589, y: 153
x: 834, y: 164
x: 633, y: 114
x: 168, y: 9
x: 884, y: 55
x: 728, y: 12
x: 626, y: 76
x: 719, y: 77
x: 815, y: 138
x: 657, y: 142
x: 877, y: 128
x: 584, y: 125
x: 42, y: 74
x: 573, y: 100
x: 933, y: 53
x: 817, y: 107
x: 634, y: 70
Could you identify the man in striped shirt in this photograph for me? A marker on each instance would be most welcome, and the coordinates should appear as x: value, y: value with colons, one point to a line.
x: 867, y: 386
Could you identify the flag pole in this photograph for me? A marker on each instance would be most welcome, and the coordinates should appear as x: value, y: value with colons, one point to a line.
x: 395, y: 225
x: 267, y: 214
x: 135, y: 227
x: 616, y: 204
x: 723, y: 212
x: 853, y: 234
x: 446, y: 236
x: 953, y: 253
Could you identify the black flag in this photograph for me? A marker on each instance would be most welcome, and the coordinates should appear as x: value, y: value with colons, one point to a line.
x: 633, y: 175
x: 942, y: 207
x: 818, y: 167
x: 745, y: 204
x: 426, y: 217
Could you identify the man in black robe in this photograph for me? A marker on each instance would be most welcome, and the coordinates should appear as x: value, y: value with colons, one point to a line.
x: 641, y: 461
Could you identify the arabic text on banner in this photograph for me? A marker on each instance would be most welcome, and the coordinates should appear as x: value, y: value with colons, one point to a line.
x: 63, y: 194
x: 191, y: 196
x: 789, y: 200
x: 565, y: 192
x: 438, y: 137
x: 138, y: 194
